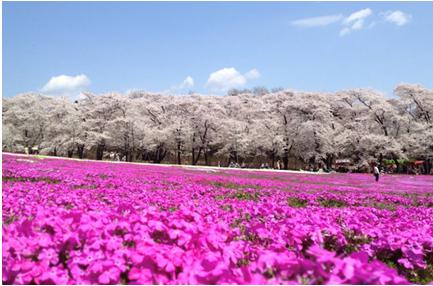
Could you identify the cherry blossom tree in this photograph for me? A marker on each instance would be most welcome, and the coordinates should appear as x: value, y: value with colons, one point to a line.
x: 249, y: 127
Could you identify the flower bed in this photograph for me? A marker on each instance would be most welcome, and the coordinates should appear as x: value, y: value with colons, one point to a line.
x: 72, y: 222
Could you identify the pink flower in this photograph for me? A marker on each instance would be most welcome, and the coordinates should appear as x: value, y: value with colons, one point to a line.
x: 406, y: 263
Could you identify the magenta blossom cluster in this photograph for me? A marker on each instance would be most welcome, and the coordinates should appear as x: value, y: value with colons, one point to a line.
x: 75, y: 222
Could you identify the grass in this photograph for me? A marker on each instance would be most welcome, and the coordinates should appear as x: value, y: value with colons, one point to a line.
x: 246, y: 196
x: 297, y: 202
x: 68, y: 205
x: 10, y: 219
x: 354, y: 241
x: 331, y: 203
x: 231, y: 185
x: 227, y: 208
x: 28, y: 179
x: 417, y: 275
x: 76, y: 187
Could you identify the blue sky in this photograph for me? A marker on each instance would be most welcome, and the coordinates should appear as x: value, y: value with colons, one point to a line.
x: 68, y: 47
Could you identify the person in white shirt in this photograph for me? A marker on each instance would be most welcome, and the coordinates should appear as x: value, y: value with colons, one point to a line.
x: 376, y: 172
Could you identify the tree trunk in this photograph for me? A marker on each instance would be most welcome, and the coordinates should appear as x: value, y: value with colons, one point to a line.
x: 273, y: 159
x: 193, y: 150
x: 156, y: 158
x: 206, y: 158
x: 178, y: 153
x: 80, y: 150
x: 160, y: 154
x: 385, y: 130
x: 286, y: 153
x: 286, y: 159
x: 138, y: 155
x: 397, y: 164
x: 427, y: 166
x: 198, y: 156
x: 233, y: 157
x: 163, y: 155
x: 286, y: 143
x: 328, y: 161
x: 100, y: 151
x: 70, y: 153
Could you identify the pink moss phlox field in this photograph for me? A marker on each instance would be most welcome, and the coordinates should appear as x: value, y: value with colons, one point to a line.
x: 72, y: 222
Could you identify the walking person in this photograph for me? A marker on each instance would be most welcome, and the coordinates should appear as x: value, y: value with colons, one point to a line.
x: 376, y: 172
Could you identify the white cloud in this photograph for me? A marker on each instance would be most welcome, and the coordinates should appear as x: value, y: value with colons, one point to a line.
x: 344, y: 32
x: 188, y: 82
x: 358, y: 20
x: 398, y: 18
x: 65, y: 85
x: 371, y: 25
x: 226, y: 78
x: 253, y: 74
x: 317, y: 21
x: 355, y: 21
x: 358, y: 15
x: 181, y: 88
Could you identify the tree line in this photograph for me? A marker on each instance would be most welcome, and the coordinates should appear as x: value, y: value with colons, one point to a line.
x: 249, y: 127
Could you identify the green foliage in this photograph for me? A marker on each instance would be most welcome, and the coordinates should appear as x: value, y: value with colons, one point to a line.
x: 242, y: 262
x: 10, y: 219
x: 355, y: 240
x: 297, y: 202
x: 399, y: 161
x: 219, y: 197
x: 383, y: 206
x: 424, y: 276
x: 330, y: 243
x: 25, y: 179
x: 246, y: 196
x: 233, y: 186
x: 417, y: 275
x: 227, y: 208
x: 331, y: 203
x: 82, y: 186
x: 128, y: 243
x: 68, y: 205
x: 269, y: 273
